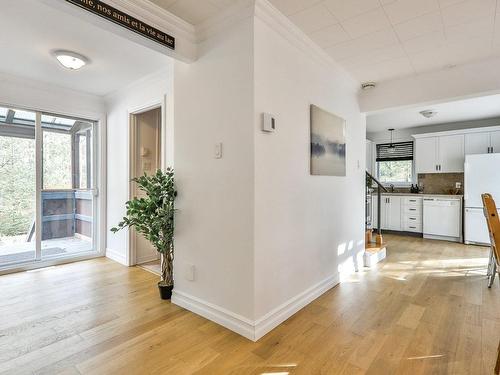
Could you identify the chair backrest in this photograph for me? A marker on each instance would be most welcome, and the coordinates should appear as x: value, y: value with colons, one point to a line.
x: 493, y: 221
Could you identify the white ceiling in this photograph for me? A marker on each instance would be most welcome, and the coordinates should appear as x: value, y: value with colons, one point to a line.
x: 378, y: 40
x: 460, y: 110
x: 31, y: 29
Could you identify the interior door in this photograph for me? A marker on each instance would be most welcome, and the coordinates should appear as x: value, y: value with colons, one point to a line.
x: 477, y: 143
x: 495, y: 141
x: 426, y: 155
x: 146, y: 159
x: 451, y: 153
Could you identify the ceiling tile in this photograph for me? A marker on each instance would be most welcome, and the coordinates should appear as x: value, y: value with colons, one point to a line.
x: 370, y: 57
x: 193, y: 11
x: 163, y: 3
x: 329, y: 36
x: 419, y: 26
x: 288, y: 7
x: 472, y: 50
x: 468, y: 11
x: 366, y: 23
x: 446, y: 3
x: 403, y: 10
x: 313, y: 19
x: 344, y: 9
x: 392, y: 69
x: 424, y: 42
x: 383, y: 2
x: 430, y: 59
x: 482, y: 28
x: 372, y: 41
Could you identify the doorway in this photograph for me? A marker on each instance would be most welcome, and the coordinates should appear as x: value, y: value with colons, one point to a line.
x: 48, y: 188
x: 145, y: 158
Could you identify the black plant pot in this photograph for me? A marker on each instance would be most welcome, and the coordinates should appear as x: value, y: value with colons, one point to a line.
x: 165, y: 291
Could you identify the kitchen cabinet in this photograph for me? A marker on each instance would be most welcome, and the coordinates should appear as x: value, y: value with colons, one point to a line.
x: 451, y: 153
x: 440, y: 154
x: 426, y: 155
x: 390, y: 214
x: 482, y: 143
x: 495, y: 142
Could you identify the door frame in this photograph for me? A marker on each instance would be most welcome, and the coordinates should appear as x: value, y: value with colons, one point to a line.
x: 131, y: 254
x: 100, y: 163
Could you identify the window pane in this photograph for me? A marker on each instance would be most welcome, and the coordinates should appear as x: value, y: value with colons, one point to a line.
x: 395, y: 171
x: 56, y: 161
x: 83, y: 158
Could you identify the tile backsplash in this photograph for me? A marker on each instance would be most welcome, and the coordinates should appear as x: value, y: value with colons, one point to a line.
x: 441, y: 183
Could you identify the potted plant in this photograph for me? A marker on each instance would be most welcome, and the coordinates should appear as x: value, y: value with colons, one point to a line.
x: 153, y: 217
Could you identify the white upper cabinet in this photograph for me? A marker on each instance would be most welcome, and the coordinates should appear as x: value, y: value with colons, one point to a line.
x: 495, y: 142
x: 444, y: 152
x: 482, y: 143
x: 477, y: 143
x: 426, y: 155
x: 451, y: 153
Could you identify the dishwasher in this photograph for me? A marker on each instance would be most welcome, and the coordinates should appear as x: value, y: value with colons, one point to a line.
x: 442, y: 218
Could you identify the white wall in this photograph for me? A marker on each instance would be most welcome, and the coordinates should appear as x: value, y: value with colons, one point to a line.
x: 27, y: 93
x: 150, y: 91
x: 214, y: 222
x: 305, y: 226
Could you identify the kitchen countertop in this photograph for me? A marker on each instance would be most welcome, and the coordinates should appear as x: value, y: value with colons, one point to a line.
x: 423, y: 195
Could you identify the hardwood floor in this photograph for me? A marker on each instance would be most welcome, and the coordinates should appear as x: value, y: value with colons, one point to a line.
x: 425, y: 310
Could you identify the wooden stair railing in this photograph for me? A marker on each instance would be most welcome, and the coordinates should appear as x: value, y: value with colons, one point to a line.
x: 378, y: 238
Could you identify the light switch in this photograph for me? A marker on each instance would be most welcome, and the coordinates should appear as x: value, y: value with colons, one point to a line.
x: 218, y: 150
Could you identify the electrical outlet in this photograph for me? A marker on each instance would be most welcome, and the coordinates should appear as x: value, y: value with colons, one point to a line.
x: 190, y: 272
x: 458, y: 185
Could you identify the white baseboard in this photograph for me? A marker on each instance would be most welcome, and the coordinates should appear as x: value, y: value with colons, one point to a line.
x: 253, y: 330
x: 281, y: 313
x: 116, y: 256
x: 225, y: 318
x: 146, y: 259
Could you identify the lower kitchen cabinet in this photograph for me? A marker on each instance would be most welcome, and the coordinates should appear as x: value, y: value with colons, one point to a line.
x: 399, y: 213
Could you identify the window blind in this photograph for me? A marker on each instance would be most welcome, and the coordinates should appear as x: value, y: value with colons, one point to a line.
x: 400, y: 151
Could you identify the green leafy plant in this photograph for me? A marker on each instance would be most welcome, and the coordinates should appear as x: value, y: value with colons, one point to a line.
x: 153, y: 217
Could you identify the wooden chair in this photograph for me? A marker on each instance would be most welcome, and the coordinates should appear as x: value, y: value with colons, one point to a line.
x: 493, y: 222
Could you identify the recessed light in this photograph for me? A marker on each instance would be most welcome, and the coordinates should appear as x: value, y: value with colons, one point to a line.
x: 70, y: 60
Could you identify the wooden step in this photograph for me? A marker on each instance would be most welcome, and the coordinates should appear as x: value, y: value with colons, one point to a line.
x: 372, y: 247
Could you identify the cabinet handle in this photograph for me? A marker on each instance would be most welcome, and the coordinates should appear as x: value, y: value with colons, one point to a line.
x: 413, y: 227
x: 413, y: 209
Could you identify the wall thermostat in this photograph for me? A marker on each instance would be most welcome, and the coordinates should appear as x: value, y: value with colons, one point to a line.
x: 268, y: 122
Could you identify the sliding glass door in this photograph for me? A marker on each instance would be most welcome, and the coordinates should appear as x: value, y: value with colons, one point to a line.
x: 17, y: 186
x: 47, y: 187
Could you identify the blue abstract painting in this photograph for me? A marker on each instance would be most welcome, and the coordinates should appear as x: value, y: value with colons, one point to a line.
x: 328, y: 144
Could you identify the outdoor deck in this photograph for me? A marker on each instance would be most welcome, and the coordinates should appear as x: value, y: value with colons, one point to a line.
x: 53, y: 248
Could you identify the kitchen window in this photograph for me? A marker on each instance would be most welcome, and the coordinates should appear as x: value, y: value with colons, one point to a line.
x: 395, y: 163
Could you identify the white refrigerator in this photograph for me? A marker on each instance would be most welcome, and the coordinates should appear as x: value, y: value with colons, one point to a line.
x: 482, y: 175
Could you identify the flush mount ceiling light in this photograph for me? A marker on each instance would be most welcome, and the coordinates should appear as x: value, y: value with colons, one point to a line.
x: 428, y: 113
x: 368, y: 85
x: 70, y: 60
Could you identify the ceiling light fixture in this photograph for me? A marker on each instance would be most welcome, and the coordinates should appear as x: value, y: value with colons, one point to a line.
x: 368, y: 85
x: 70, y: 60
x: 428, y: 113
x: 391, y: 147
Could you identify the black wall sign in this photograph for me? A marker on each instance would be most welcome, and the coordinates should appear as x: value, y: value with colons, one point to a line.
x: 123, y: 19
